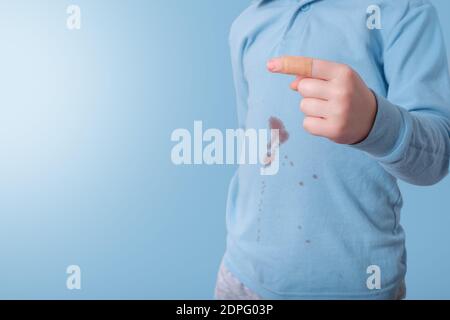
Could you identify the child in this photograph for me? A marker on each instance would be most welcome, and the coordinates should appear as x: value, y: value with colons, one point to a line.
x: 374, y: 101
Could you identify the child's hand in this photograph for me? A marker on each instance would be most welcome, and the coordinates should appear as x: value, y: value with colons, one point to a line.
x: 337, y: 103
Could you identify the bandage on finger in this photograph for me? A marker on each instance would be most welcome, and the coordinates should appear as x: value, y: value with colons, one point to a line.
x: 298, y: 66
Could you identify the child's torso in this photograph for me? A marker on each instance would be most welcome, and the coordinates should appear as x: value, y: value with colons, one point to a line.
x: 331, y: 212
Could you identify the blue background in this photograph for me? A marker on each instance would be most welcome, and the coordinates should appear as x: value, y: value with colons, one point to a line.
x: 85, y: 170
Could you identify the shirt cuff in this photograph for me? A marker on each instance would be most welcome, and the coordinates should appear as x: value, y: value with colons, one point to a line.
x: 388, y: 133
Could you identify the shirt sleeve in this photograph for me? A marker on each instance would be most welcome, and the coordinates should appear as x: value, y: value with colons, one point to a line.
x: 411, y: 134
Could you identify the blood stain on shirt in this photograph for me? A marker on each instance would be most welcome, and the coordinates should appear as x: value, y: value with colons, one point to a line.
x: 260, y: 211
x: 277, y: 124
x: 315, y: 176
x: 283, y: 136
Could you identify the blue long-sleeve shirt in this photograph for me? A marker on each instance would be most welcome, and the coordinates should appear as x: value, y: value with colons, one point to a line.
x: 332, y: 213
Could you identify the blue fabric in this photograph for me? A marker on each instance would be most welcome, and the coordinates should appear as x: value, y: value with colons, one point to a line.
x: 312, y: 230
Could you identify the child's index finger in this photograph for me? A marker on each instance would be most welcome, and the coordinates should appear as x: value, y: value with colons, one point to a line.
x: 304, y: 67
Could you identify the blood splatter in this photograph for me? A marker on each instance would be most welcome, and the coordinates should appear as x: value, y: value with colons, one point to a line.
x: 308, y: 241
x: 301, y: 184
x: 260, y: 211
x: 315, y: 176
x: 276, y: 142
x: 277, y: 124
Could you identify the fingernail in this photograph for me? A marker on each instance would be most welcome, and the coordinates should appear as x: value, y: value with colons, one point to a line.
x: 274, y: 65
